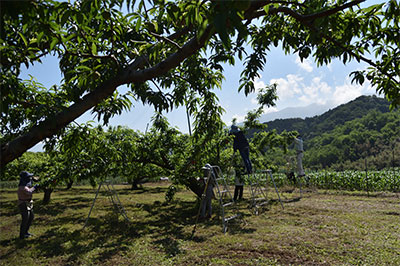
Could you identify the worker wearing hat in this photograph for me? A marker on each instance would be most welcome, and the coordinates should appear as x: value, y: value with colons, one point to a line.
x: 25, y: 202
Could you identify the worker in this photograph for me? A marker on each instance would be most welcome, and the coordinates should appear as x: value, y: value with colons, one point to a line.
x: 240, y: 143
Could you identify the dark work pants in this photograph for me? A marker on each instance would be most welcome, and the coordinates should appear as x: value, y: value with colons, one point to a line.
x: 245, y: 153
x: 27, y: 218
x: 238, y: 192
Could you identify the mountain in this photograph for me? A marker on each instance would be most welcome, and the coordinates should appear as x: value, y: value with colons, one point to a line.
x: 346, y: 137
x: 296, y: 112
x: 312, y: 126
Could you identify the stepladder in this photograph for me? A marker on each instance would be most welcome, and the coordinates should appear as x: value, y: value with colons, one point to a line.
x: 228, y: 209
x: 259, y: 188
x: 113, y: 198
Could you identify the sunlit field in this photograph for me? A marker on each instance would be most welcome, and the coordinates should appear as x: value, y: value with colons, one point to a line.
x: 324, y: 227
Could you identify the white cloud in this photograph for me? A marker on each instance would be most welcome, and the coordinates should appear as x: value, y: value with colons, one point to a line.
x: 258, y: 84
x: 270, y: 110
x: 239, y: 118
x: 305, y: 65
x: 316, y: 92
x: 348, y: 91
x: 288, y: 87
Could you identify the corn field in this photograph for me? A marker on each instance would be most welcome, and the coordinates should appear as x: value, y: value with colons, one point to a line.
x: 382, y: 180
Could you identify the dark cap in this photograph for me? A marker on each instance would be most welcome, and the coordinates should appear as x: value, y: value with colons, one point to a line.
x: 234, y: 129
x: 25, y: 174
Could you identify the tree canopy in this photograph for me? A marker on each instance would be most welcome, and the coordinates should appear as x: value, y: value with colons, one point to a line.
x: 171, y: 53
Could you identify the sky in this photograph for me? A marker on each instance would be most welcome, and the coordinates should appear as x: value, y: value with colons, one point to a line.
x: 299, y: 84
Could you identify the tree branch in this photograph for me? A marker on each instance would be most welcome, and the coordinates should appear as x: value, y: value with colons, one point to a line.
x: 165, y: 39
x: 286, y: 10
x: 51, y: 125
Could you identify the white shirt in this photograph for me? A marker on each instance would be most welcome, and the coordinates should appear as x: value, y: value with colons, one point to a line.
x: 298, y: 144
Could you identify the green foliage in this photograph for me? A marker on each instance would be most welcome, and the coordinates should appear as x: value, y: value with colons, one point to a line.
x: 33, y: 162
x: 384, y: 180
x: 373, y: 137
x: 170, y: 54
x: 343, y: 138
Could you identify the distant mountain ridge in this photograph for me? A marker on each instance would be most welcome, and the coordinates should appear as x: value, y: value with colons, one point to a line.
x: 312, y: 126
x: 351, y: 136
x: 296, y: 112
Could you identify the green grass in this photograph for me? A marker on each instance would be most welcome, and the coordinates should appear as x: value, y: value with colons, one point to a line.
x: 323, y: 228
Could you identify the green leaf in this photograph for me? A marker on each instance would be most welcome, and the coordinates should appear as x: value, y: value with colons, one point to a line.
x: 94, y: 49
x: 138, y: 24
x: 53, y: 43
x: 266, y: 9
x: 220, y: 26
x: 65, y: 17
x: 23, y: 39
x: 40, y: 36
x: 84, y: 68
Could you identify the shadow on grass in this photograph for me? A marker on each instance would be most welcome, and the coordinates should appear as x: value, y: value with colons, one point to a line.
x: 147, y: 190
x: 9, y: 208
x: 168, y: 225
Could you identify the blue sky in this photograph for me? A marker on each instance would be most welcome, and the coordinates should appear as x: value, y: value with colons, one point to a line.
x: 299, y: 84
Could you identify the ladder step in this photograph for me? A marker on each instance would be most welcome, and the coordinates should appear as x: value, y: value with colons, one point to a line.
x: 231, y: 218
x: 224, y: 191
x: 227, y: 204
x: 259, y: 199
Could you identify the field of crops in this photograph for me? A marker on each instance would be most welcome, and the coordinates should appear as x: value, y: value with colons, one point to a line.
x: 383, y: 180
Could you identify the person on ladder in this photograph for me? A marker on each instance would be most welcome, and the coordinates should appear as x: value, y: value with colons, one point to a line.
x: 240, y: 143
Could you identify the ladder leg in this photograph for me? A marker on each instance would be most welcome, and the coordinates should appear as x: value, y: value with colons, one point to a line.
x: 276, y: 189
x: 91, y: 208
x: 119, y: 204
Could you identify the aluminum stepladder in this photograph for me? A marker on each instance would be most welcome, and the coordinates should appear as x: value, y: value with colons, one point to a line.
x: 228, y: 208
x: 259, y: 189
x: 113, y: 198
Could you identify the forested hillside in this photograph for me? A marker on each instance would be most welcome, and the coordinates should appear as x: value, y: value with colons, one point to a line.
x: 361, y: 131
x: 317, y: 125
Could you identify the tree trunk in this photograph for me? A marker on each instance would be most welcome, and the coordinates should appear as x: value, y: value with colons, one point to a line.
x: 69, y: 185
x: 47, y: 195
x: 134, y: 185
x: 195, y: 187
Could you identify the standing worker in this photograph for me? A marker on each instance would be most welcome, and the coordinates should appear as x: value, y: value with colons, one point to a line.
x: 239, y: 182
x: 240, y: 143
x: 299, y: 150
x: 209, y: 183
x: 25, y: 202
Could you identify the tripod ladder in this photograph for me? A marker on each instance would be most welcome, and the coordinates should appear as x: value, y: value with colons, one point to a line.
x: 259, y: 189
x: 227, y: 205
x: 113, y: 198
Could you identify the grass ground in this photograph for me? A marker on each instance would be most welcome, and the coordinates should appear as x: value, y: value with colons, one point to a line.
x: 323, y: 228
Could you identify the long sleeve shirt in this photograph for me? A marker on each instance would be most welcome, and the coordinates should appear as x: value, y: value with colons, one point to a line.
x: 298, y: 145
x: 25, y: 194
x: 240, y: 142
